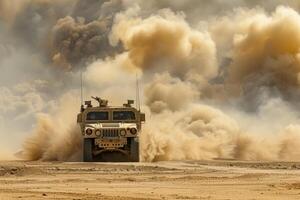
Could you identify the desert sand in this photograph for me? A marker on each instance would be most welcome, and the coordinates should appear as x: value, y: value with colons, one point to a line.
x: 221, y: 180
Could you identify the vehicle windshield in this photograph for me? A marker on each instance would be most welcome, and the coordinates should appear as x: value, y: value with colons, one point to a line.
x: 123, y: 115
x: 97, y: 116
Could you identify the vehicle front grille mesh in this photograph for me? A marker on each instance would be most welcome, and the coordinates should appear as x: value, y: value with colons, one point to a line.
x: 108, y: 133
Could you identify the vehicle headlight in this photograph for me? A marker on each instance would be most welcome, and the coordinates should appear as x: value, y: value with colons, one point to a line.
x: 123, y: 132
x: 98, y: 132
x: 133, y: 131
x: 89, y: 131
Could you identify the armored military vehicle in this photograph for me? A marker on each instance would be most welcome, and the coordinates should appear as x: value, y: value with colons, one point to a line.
x: 109, y: 130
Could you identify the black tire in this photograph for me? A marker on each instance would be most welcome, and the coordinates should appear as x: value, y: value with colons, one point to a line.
x: 134, y: 150
x: 87, y: 150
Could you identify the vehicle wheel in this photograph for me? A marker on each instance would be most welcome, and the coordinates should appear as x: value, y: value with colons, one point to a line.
x: 87, y: 150
x: 134, y: 150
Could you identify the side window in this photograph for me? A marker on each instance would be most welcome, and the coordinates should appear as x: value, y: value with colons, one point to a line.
x: 99, y: 116
x: 123, y: 115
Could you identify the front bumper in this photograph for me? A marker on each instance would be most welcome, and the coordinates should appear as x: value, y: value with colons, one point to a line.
x: 111, y: 143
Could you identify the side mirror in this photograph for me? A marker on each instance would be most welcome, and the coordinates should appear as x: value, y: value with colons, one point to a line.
x: 142, y: 117
x: 79, y: 118
x: 130, y: 102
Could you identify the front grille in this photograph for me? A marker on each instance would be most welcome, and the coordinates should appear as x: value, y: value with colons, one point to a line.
x: 111, y: 125
x: 109, y: 133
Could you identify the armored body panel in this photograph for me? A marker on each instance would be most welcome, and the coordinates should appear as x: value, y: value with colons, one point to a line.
x: 109, y: 130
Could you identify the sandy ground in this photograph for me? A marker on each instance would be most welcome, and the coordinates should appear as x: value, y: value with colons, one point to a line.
x: 164, y: 180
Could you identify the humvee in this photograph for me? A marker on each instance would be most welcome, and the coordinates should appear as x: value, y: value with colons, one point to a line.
x: 109, y: 130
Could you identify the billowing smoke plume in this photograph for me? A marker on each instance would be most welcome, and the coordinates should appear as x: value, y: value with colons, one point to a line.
x: 76, y: 41
x: 264, y: 49
x: 165, y: 42
x: 218, y: 82
x: 83, y: 37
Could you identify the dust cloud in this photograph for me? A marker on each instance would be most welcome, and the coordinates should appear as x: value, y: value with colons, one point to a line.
x: 56, y: 136
x: 202, y: 132
x: 216, y: 84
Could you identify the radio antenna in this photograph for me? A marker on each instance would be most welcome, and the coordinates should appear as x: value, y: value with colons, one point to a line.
x: 81, y: 86
x: 138, y: 104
